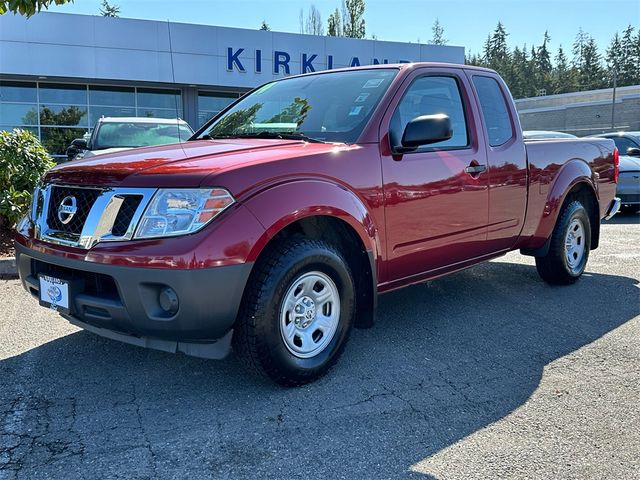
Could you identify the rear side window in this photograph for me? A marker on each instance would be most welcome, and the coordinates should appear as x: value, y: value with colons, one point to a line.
x: 494, y: 110
x: 428, y: 96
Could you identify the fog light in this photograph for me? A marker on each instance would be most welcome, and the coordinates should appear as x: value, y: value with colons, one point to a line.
x: 168, y: 299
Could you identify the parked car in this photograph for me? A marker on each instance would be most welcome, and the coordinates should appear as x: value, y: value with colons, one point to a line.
x: 115, y: 134
x: 542, y: 134
x: 278, y: 241
x: 628, y: 190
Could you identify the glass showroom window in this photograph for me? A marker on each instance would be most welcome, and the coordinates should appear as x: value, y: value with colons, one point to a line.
x: 210, y: 104
x: 111, y: 102
x: 159, y: 103
x: 63, y: 115
x: 18, y: 106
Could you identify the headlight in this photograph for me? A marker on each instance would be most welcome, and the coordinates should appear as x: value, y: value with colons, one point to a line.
x: 180, y: 211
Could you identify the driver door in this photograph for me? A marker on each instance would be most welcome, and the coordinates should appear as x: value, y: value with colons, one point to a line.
x: 436, y: 197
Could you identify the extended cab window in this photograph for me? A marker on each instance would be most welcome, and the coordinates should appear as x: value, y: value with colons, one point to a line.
x: 427, y: 96
x: 494, y: 110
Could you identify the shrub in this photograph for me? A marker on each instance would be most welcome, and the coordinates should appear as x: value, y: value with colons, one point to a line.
x: 23, y: 161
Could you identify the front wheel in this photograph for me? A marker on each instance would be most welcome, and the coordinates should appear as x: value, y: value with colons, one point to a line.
x: 568, y: 252
x: 297, y: 312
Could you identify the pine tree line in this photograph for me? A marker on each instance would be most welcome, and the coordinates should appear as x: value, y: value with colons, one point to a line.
x: 531, y: 71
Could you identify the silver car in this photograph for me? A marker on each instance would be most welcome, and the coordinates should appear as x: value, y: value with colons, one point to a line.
x: 628, y: 190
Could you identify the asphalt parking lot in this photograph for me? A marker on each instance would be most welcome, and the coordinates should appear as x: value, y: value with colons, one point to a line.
x: 488, y: 373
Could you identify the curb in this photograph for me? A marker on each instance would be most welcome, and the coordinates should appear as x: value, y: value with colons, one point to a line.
x: 8, y: 267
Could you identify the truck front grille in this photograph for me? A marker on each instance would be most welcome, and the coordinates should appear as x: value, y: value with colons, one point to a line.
x: 82, y: 217
x: 84, y: 200
x: 125, y: 215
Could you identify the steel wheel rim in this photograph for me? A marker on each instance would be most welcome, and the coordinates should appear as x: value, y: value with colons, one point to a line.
x: 574, y: 244
x: 310, y: 314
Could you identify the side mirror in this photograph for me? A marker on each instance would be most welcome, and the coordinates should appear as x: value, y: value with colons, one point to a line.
x: 633, y: 151
x: 78, y: 145
x: 425, y: 130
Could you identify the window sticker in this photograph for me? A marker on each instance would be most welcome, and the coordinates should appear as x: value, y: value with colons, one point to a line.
x: 362, y: 97
x: 373, y: 83
x: 355, y: 111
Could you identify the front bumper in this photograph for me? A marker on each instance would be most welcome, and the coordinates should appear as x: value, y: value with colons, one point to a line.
x: 122, y: 302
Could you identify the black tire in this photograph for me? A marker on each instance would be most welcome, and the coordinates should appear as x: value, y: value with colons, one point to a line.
x: 258, y: 338
x: 555, y: 267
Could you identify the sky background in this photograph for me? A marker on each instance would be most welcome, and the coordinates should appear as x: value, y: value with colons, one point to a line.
x: 466, y: 22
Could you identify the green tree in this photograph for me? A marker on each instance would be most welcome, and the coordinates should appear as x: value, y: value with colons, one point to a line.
x: 496, y: 53
x: 519, y: 81
x: 615, y: 58
x: 23, y: 160
x: 265, y: 26
x: 334, y: 25
x: 438, y: 34
x: 109, y: 10
x: 564, y: 74
x: 543, y: 67
x: 28, y: 7
x: 629, y: 62
x: 353, y: 18
x: 588, y: 62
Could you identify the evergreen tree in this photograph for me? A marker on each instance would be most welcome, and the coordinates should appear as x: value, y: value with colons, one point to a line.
x: 615, y: 57
x: 628, y: 61
x: 109, y: 10
x: 543, y: 65
x: 564, y: 75
x: 498, y: 56
x: 588, y: 62
x: 438, y: 34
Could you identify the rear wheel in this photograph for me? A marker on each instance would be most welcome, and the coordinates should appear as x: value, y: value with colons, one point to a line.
x: 568, y: 252
x: 297, y: 312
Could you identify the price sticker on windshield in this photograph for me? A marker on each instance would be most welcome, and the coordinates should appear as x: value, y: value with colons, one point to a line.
x: 373, y: 83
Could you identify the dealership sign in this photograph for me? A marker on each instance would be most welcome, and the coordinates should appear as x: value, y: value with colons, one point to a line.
x: 281, y: 62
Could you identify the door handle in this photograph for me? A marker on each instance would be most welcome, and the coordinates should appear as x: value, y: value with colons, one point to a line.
x: 475, y: 169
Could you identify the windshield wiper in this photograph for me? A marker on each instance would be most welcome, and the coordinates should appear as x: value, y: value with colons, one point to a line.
x: 266, y: 134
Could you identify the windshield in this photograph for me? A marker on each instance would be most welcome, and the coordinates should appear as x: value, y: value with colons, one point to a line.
x: 131, y: 135
x: 331, y: 107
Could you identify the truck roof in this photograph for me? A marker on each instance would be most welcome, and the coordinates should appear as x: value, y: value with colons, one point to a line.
x: 400, y: 66
x: 161, y: 121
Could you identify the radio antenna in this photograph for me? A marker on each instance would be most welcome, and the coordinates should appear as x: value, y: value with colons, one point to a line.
x: 173, y: 78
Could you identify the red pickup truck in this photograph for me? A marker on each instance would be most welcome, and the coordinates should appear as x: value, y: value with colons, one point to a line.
x: 276, y: 226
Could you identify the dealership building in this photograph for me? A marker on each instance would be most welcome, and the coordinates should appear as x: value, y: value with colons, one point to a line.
x: 59, y: 73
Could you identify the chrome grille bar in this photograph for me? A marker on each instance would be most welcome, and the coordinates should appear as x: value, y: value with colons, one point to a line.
x: 100, y: 219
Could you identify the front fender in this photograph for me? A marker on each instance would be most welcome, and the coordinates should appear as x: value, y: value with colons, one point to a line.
x: 573, y: 172
x: 286, y: 203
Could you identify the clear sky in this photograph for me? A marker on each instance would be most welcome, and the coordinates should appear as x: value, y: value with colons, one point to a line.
x: 465, y: 22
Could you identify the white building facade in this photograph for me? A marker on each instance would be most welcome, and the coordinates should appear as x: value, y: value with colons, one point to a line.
x: 59, y: 73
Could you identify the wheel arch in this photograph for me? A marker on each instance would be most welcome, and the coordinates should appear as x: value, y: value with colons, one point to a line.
x: 326, y: 211
x: 566, y: 188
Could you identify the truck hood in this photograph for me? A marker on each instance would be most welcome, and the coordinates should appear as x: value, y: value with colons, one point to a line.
x: 106, y: 151
x: 179, y: 165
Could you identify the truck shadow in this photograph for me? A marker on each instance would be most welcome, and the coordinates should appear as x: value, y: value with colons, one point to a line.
x: 626, y: 217
x: 444, y: 360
